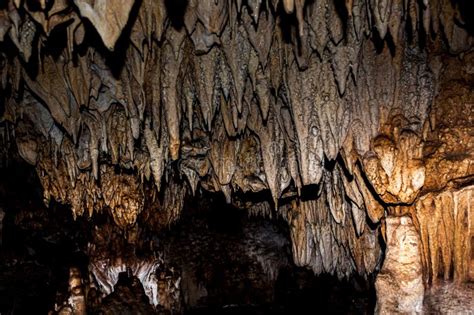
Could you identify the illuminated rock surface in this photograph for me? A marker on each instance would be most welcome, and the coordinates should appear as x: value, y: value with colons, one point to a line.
x: 399, y: 284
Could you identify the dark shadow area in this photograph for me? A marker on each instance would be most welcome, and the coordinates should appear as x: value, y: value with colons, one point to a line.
x: 466, y: 9
x: 216, y: 240
x: 38, y: 244
x: 175, y: 10
x: 229, y: 263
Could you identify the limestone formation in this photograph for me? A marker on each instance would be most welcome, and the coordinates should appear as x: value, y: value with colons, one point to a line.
x: 399, y: 284
x: 333, y: 115
x: 76, y: 302
x: 106, y: 274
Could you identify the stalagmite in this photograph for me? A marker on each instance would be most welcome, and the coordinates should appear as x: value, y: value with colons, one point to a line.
x: 77, y: 298
x: 399, y: 284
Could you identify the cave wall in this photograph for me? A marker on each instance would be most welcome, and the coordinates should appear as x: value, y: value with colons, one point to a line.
x: 338, y: 113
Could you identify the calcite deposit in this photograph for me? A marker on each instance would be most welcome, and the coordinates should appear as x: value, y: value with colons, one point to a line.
x: 399, y: 284
x: 332, y: 115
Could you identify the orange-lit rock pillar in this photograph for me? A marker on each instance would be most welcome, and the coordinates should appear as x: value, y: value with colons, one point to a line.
x: 399, y: 284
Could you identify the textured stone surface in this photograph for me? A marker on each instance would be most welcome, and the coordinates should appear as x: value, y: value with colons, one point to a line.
x: 328, y: 114
x: 446, y: 230
x: 449, y: 298
x: 399, y: 284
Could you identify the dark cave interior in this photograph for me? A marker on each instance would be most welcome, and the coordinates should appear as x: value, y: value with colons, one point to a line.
x: 40, y: 243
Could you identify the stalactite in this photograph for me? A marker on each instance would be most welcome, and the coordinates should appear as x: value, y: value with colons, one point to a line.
x: 344, y: 112
x: 446, y: 231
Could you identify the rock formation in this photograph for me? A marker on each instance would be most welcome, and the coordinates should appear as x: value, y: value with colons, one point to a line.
x: 337, y: 114
x: 399, y: 284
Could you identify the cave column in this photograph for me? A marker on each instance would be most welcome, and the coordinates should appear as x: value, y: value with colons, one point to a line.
x: 399, y: 284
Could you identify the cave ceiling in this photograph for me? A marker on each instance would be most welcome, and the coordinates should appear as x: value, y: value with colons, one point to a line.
x: 338, y: 113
